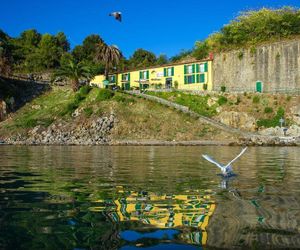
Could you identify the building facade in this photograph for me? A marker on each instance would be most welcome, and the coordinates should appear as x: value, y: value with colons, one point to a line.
x: 195, y: 75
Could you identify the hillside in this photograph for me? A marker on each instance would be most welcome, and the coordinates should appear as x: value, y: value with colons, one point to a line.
x: 96, y: 116
x: 245, y: 111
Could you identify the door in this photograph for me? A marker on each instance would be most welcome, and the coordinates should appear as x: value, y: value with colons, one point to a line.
x: 126, y: 86
x: 259, y: 86
x: 168, y: 83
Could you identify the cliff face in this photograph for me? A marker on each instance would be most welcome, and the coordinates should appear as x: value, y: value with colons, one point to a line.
x: 16, y: 93
x: 276, y: 65
x: 2, y: 110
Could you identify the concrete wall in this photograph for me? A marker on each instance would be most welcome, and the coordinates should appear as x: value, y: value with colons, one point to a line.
x: 277, y: 65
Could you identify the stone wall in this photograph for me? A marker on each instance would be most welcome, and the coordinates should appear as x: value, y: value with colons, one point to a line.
x: 277, y: 65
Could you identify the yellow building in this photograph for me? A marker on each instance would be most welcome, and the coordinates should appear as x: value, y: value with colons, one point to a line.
x: 195, y: 75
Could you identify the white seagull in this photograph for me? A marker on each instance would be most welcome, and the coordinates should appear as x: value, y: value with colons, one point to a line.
x: 226, y: 169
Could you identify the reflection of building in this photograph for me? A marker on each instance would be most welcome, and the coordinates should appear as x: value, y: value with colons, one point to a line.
x: 190, y: 213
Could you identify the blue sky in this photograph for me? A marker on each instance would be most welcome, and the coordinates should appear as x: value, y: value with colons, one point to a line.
x: 161, y: 26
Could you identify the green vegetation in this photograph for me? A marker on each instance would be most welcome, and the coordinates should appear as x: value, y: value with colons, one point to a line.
x: 75, y: 72
x: 195, y: 103
x: 222, y: 100
x: 34, y: 52
x: 137, y: 118
x: 223, y: 88
x: 268, y: 110
x: 251, y: 28
x: 256, y: 99
x: 104, y: 94
x: 273, y: 122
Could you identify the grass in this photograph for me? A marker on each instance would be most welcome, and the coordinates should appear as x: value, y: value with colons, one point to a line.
x: 273, y: 122
x: 138, y: 119
x: 195, y: 103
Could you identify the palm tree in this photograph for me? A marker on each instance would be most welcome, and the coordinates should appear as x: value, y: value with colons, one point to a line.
x: 110, y: 55
x: 75, y: 72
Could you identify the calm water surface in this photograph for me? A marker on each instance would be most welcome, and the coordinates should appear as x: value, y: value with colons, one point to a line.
x: 148, y: 198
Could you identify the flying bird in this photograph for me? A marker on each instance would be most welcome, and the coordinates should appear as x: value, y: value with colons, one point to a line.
x: 226, y: 169
x: 116, y: 15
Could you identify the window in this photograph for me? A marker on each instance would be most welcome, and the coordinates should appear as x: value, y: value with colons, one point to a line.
x: 125, y: 77
x: 112, y: 79
x: 189, y: 79
x: 202, y: 68
x: 201, y: 78
x: 190, y: 69
x: 169, y: 72
x: 144, y: 75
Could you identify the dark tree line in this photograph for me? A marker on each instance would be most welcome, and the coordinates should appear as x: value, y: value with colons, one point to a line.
x: 34, y: 52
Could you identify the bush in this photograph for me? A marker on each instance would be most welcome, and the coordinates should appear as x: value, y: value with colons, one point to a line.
x: 88, y: 111
x: 84, y: 90
x: 123, y: 99
x: 222, y: 100
x: 238, y: 100
x: 256, y: 99
x: 223, y: 88
x: 104, y: 94
x: 268, y: 110
x: 30, y: 123
x: 268, y: 123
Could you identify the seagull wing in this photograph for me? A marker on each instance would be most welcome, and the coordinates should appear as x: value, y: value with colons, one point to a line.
x: 208, y: 158
x: 229, y: 163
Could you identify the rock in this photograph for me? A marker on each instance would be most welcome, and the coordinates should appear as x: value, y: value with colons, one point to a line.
x: 3, y: 110
x: 293, y: 131
x: 212, y: 101
x: 36, y: 107
x: 295, y: 114
x: 239, y: 120
x: 76, y: 113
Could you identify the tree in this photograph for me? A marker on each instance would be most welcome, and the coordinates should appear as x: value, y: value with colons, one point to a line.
x: 110, y: 55
x: 74, y: 72
x: 62, y: 41
x: 86, y: 52
x: 142, y: 58
x: 5, y: 54
x: 162, y: 59
x: 201, y: 50
x: 181, y: 56
x: 48, y: 52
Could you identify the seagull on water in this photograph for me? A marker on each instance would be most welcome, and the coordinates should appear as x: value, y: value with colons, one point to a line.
x: 226, y: 169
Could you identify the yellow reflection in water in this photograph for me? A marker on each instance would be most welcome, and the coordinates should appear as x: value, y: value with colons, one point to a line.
x: 182, y: 211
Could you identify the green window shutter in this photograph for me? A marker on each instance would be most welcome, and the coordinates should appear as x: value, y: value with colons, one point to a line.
x: 206, y: 67
x: 128, y: 77
x: 185, y: 79
x: 185, y: 69
x: 193, y: 81
x: 197, y: 68
x: 141, y: 75
x: 198, y: 78
x: 165, y: 72
x: 193, y: 68
x: 147, y: 74
x: 202, y: 78
x: 172, y: 71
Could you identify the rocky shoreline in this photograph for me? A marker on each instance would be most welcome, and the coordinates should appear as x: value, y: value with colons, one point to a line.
x: 98, y: 132
x: 257, y: 141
